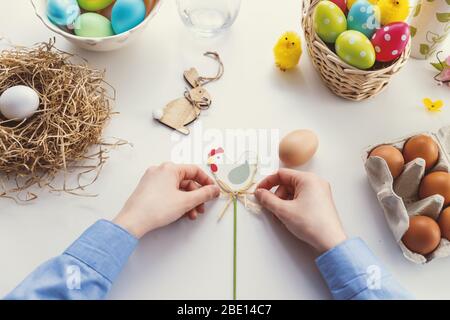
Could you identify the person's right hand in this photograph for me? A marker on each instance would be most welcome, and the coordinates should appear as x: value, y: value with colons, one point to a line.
x: 304, y: 204
x: 165, y: 194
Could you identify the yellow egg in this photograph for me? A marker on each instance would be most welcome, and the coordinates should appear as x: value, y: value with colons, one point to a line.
x: 298, y: 147
x: 94, y: 5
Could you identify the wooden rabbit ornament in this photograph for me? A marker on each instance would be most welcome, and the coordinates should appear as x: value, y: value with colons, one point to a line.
x: 179, y: 113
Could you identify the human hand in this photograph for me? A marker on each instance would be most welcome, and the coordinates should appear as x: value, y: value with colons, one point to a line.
x: 164, y: 194
x: 304, y: 204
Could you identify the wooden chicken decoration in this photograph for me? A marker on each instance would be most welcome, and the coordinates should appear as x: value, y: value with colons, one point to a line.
x: 237, y: 175
x: 179, y: 113
x: 236, y: 181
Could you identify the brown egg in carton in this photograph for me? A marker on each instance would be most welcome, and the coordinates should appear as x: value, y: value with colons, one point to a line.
x: 399, y: 198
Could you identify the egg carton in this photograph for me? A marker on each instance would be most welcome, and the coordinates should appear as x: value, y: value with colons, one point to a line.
x: 399, y: 199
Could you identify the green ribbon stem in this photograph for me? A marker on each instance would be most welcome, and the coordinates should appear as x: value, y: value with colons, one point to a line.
x: 234, y: 246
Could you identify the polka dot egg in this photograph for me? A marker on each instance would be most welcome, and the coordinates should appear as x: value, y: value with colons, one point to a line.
x: 341, y: 4
x: 364, y: 17
x: 355, y: 48
x: 390, y: 41
x: 329, y: 21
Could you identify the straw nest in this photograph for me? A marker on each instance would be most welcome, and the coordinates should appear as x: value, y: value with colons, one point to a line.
x: 65, y: 134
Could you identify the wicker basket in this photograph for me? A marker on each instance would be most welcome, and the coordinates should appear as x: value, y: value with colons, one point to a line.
x: 344, y: 80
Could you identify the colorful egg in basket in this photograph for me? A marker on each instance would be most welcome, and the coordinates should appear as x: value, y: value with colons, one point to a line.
x: 349, y: 69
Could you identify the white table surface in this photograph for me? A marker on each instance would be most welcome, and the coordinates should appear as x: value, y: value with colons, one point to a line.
x: 194, y: 260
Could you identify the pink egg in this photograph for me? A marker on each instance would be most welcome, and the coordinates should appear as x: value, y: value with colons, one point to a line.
x: 342, y: 4
x: 390, y: 41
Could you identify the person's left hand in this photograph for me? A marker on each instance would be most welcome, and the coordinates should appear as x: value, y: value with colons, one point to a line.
x: 165, y: 194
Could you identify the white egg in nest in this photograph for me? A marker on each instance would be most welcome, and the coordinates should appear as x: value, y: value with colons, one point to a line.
x: 19, y: 102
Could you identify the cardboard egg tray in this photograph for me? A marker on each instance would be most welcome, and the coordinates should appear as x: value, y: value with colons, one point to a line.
x: 399, y: 199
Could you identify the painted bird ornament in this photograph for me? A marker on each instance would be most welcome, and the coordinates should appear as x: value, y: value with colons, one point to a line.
x: 236, y: 174
x: 288, y: 51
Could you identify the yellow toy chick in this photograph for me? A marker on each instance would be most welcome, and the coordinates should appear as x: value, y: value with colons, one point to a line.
x: 288, y: 50
x: 393, y: 10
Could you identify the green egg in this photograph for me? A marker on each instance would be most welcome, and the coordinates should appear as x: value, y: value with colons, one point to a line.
x: 329, y: 21
x: 356, y: 49
x: 93, y: 25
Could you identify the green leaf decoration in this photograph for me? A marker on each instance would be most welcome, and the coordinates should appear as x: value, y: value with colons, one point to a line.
x: 431, y: 36
x: 424, y: 49
x: 413, y: 30
x: 448, y: 2
x: 430, y: 0
x: 440, y: 38
x: 443, y: 17
x: 437, y: 66
x: 417, y: 9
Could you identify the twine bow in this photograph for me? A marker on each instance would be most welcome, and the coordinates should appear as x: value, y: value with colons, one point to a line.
x: 239, y: 195
x: 201, y: 105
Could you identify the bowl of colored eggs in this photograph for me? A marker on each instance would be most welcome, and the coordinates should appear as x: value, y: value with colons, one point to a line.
x: 97, y: 25
x: 357, y: 45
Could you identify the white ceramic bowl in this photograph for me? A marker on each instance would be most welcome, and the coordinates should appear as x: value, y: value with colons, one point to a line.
x: 95, y: 44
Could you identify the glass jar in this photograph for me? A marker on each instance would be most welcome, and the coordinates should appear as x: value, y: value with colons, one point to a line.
x: 208, y: 17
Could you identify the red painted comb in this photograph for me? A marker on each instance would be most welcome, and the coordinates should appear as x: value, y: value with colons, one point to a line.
x: 215, y: 151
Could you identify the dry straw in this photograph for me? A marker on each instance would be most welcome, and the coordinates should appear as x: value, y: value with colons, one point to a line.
x: 342, y: 79
x: 65, y: 134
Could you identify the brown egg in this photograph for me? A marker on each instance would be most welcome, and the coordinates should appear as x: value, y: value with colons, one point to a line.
x: 392, y: 156
x: 444, y: 223
x: 423, y: 235
x: 149, y: 4
x: 437, y: 182
x: 424, y: 147
x: 107, y: 11
x: 298, y: 147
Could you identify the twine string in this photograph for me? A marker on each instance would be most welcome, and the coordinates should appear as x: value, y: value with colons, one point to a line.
x: 205, y: 80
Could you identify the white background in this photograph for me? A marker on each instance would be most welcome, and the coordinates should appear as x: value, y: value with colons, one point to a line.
x: 194, y: 260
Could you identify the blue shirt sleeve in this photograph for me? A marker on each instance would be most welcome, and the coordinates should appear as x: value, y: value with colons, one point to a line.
x: 351, y: 271
x: 86, y: 270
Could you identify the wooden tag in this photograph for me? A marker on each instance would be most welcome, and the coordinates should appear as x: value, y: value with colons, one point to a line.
x: 181, y: 112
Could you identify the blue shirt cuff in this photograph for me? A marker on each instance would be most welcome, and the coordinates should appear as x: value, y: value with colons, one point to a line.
x: 105, y: 247
x: 350, y: 268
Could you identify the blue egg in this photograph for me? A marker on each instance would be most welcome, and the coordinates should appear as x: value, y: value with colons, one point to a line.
x: 127, y: 14
x: 364, y: 17
x: 63, y: 12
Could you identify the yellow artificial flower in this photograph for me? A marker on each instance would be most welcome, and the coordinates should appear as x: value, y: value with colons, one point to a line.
x: 431, y: 106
